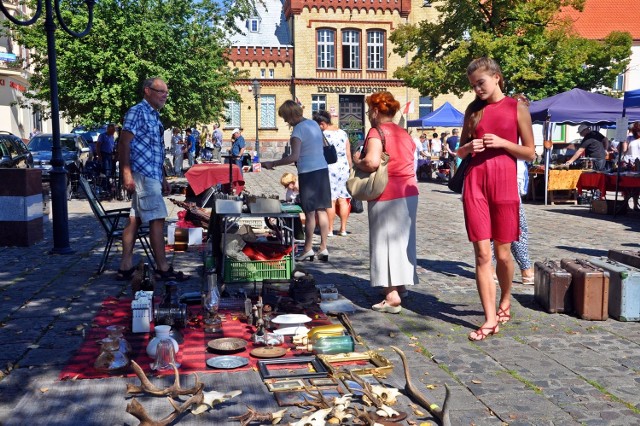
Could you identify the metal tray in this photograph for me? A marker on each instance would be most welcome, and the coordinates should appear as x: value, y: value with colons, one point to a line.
x: 227, y: 344
x: 227, y: 362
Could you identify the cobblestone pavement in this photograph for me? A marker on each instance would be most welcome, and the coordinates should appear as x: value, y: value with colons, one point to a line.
x: 540, y: 369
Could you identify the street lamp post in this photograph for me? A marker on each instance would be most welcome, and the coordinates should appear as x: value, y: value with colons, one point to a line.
x: 256, y: 96
x: 58, y: 173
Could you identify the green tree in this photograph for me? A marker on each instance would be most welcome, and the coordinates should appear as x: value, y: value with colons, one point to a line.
x: 539, y: 53
x: 100, y: 75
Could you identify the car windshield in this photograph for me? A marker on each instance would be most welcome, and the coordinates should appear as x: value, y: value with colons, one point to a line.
x: 44, y: 143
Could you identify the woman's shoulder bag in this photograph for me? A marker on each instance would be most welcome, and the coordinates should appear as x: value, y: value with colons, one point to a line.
x: 368, y: 186
x: 329, y: 151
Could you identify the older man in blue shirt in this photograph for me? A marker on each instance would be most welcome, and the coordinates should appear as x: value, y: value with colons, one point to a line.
x: 141, y: 154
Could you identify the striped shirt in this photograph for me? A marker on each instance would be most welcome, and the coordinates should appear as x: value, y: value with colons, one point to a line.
x: 147, y: 146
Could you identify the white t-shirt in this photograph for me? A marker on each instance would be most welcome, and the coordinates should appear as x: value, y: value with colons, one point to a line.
x: 311, y: 155
x: 633, y: 151
x: 436, y: 146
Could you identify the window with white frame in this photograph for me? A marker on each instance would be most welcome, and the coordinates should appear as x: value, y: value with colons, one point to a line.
x: 619, y: 83
x: 271, y: 73
x: 267, y: 111
x: 375, y: 50
x: 351, y: 49
x: 318, y: 103
x: 254, y: 25
x: 263, y: 73
x: 426, y: 106
x: 326, y: 48
x: 232, y: 114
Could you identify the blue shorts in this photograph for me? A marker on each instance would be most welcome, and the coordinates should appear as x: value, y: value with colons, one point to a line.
x: 147, y: 202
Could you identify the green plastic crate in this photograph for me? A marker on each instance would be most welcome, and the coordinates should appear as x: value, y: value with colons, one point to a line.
x: 236, y: 271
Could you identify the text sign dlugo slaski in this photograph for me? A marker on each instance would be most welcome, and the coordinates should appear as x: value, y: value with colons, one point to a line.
x: 351, y: 89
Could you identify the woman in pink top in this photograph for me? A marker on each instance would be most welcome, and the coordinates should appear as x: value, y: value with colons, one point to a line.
x: 492, y: 125
x: 392, y: 216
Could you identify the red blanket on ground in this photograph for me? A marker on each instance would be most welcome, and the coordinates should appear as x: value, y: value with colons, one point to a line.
x: 193, y: 352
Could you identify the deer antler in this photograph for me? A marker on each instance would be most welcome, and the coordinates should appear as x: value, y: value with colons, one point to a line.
x: 137, y: 410
x: 412, y: 392
x: 173, y: 390
x: 253, y: 416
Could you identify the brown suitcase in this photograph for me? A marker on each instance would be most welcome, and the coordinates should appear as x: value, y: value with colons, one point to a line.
x: 628, y: 257
x: 590, y: 286
x: 552, y: 288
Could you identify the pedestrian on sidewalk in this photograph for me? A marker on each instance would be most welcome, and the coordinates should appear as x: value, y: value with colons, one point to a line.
x: 141, y: 150
x: 492, y: 125
x: 338, y: 171
x: 313, y: 176
x: 392, y: 216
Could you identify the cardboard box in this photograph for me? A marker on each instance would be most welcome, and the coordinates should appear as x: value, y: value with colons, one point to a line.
x: 606, y: 207
x: 195, y: 235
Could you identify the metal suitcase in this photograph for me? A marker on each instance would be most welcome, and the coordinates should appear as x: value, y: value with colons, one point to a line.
x: 590, y: 286
x: 624, y: 289
x: 552, y: 287
x: 628, y: 257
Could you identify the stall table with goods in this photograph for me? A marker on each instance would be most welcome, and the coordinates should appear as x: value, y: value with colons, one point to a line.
x: 206, y: 175
x: 281, y: 336
x: 560, y: 180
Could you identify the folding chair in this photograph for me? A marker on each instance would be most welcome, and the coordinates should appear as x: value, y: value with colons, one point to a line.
x: 114, y: 221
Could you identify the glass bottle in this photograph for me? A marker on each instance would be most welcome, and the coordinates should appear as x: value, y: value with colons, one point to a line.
x: 116, y: 332
x: 162, y: 332
x: 211, y: 300
x: 111, y: 360
x: 329, y: 345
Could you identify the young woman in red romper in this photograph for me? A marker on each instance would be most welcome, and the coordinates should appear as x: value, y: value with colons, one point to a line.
x: 493, y: 123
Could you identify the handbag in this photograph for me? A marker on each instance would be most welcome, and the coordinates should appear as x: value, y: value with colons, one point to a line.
x: 356, y: 206
x: 456, y: 182
x: 329, y: 151
x: 368, y: 186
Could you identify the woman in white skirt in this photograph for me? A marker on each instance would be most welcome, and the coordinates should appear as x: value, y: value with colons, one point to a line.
x: 392, y: 216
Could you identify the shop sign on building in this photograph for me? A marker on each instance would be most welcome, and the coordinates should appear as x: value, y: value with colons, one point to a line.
x: 351, y: 89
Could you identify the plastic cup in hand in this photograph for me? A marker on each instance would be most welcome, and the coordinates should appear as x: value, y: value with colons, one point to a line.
x: 165, y: 356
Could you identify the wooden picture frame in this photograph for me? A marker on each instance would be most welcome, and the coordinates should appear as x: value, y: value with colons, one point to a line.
x: 323, y: 382
x: 283, y: 385
x: 307, y: 367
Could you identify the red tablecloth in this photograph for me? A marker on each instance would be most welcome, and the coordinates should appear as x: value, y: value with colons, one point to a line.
x: 607, y: 182
x: 193, y: 352
x: 203, y: 176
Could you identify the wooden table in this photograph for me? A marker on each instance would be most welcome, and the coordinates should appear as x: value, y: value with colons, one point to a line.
x: 203, y: 176
x: 559, y: 180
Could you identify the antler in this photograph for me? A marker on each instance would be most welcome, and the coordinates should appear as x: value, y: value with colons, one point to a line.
x: 253, y: 416
x: 173, y: 390
x: 137, y: 410
x: 412, y: 392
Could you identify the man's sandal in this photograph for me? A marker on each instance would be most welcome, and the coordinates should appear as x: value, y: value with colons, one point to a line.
x: 481, y: 334
x: 171, y: 275
x: 503, y: 316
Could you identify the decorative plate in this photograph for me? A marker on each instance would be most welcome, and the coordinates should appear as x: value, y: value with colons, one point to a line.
x: 227, y: 362
x: 292, y: 331
x: 227, y: 344
x: 268, y: 352
x: 290, y: 319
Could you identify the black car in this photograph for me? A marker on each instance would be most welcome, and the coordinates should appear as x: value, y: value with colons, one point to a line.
x: 75, y: 152
x: 13, y: 152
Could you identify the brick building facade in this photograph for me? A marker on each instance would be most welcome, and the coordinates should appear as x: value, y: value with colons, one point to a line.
x: 325, y: 54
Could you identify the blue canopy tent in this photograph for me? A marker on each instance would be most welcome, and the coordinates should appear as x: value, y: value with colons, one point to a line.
x: 631, y: 99
x: 576, y: 106
x: 445, y: 116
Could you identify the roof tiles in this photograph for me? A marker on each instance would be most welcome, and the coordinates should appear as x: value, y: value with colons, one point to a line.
x: 600, y: 17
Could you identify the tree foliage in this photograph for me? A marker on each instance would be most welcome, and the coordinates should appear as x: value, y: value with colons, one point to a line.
x: 539, y: 53
x: 100, y: 75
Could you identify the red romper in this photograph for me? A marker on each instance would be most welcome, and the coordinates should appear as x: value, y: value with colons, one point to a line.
x: 490, y: 193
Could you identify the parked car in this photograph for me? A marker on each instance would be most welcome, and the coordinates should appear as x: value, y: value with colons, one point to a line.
x: 90, y: 135
x: 13, y: 152
x: 75, y: 152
